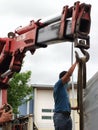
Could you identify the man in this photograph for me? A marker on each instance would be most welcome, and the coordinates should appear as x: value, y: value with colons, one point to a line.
x: 62, y: 110
x: 5, y: 116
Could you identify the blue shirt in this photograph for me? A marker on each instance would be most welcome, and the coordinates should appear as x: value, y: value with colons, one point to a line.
x: 61, y: 97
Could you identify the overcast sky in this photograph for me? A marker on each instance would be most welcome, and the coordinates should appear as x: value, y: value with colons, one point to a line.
x: 46, y: 63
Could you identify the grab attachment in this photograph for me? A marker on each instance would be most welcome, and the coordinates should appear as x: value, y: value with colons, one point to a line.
x: 81, y: 83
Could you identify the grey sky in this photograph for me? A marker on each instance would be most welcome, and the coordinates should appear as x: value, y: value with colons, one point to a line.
x: 46, y: 63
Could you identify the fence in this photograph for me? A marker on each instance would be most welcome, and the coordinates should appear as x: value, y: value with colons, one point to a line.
x: 21, y: 123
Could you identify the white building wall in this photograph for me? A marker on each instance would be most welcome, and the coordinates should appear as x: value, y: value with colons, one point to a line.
x: 43, y: 103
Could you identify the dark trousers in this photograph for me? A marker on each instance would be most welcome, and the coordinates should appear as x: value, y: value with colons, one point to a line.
x: 62, y: 121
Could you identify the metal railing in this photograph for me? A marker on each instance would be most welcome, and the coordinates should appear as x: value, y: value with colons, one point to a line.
x: 21, y: 123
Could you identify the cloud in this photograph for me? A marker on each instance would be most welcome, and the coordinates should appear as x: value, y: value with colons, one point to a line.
x: 47, y: 63
x: 28, y: 7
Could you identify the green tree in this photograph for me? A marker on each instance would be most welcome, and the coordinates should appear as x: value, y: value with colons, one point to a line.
x: 19, y: 89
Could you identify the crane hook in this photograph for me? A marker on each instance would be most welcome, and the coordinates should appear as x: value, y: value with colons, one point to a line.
x: 82, y: 59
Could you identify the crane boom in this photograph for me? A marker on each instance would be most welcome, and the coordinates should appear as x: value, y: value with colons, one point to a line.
x: 72, y: 25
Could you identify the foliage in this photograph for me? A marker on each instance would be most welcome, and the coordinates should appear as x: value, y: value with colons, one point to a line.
x: 19, y: 89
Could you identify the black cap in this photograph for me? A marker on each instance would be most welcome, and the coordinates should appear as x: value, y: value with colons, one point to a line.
x: 62, y: 74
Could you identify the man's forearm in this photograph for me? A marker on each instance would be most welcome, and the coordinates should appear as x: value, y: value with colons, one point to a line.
x: 70, y: 71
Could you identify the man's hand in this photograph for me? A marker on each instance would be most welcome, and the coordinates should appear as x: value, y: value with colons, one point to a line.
x: 75, y: 108
x: 78, y: 59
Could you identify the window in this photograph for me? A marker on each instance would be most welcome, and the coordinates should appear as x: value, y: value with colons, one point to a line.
x: 47, y: 114
x: 47, y: 117
x: 47, y: 110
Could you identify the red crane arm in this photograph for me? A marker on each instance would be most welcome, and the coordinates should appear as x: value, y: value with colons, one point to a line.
x: 72, y: 25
